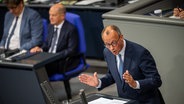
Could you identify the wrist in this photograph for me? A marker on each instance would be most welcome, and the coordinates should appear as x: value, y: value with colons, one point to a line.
x: 134, y: 85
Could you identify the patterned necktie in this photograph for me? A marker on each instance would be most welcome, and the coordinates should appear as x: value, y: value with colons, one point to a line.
x: 53, y: 41
x: 11, y: 34
x: 120, y: 66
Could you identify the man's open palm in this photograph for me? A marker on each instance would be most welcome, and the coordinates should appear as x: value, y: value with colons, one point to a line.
x: 89, y: 80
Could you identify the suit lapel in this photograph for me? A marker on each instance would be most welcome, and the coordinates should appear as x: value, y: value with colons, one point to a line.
x: 51, y: 36
x: 113, y: 67
x: 24, y: 19
x: 127, y: 57
x: 10, y: 21
x: 127, y: 61
x: 62, y: 34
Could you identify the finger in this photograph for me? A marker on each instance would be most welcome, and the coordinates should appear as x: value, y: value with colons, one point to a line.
x: 32, y: 50
x: 125, y: 77
x: 126, y: 81
x: 85, y: 77
x: 82, y: 77
x: 181, y: 15
x: 126, y: 74
x: 127, y: 71
x: 83, y: 80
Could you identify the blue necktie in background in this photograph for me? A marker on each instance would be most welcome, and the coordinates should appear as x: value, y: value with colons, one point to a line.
x: 120, y: 66
x: 54, y: 40
x: 11, y: 34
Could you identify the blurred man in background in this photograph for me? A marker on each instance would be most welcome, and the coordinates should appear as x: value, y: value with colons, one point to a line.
x: 62, y: 39
x: 22, y: 27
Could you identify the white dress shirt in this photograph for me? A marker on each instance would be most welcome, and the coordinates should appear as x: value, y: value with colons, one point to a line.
x: 122, y: 52
x: 15, y: 39
x: 58, y: 35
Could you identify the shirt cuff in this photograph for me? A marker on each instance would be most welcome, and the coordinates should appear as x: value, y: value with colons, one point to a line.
x: 100, y: 83
x: 138, y: 85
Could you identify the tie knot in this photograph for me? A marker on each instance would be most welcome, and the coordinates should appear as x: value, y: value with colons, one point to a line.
x: 17, y: 17
x: 55, y: 30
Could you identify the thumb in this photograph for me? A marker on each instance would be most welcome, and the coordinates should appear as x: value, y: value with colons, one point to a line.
x: 127, y: 71
x: 95, y: 74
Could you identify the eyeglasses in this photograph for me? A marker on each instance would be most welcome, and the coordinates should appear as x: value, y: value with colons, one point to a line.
x: 113, y: 44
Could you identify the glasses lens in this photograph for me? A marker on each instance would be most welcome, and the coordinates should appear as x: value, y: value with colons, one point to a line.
x: 114, y: 43
x: 107, y: 45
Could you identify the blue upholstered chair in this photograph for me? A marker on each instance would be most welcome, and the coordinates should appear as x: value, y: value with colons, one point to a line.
x: 76, y: 21
x: 45, y: 31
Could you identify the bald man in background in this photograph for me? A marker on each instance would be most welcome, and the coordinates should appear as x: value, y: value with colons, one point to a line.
x: 62, y: 39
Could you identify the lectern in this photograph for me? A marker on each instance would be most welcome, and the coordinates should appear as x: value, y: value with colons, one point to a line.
x: 20, y: 82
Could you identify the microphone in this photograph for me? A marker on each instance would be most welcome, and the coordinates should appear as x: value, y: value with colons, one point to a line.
x: 83, y: 96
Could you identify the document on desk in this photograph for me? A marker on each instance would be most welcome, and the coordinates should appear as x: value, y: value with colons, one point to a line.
x: 87, y: 2
x: 102, y: 100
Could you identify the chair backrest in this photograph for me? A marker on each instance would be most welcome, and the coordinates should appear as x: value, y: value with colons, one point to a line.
x: 76, y: 21
x: 82, y: 66
x: 45, y: 31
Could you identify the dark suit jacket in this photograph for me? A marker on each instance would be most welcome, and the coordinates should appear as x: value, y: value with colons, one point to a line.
x: 178, y: 3
x: 30, y: 30
x: 67, y: 45
x: 141, y: 65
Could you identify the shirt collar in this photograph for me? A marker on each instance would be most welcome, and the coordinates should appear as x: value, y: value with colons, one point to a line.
x: 122, y: 52
x: 59, y: 26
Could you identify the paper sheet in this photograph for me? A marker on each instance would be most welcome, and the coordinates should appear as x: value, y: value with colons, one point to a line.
x: 174, y: 17
x: 87, y: 2
x: 107, y: 101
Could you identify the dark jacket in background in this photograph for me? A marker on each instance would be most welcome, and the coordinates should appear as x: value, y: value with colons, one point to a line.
x: 67, y: 46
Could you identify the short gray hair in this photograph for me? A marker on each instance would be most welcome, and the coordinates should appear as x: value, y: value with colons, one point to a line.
x: 113, y: 27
